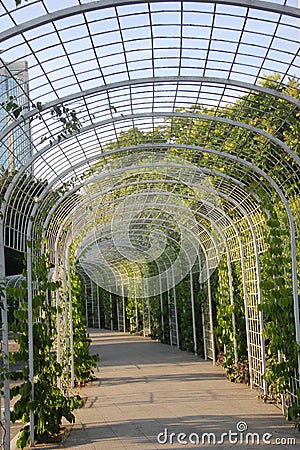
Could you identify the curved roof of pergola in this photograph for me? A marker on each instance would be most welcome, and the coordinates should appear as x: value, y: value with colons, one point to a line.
x: 141, y: 66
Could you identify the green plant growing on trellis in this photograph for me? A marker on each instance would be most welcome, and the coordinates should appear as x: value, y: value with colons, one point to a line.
x: 239, y: 310
x: 106, y: 309
x: 237, y: 371
x: 223, y: 329
x: 84, y: 363
x: 276, y: 285
x: 201, y: 300
x: 65, y: 117
x: 184, y: 312
x: 49, y: 405
x: 134, y: 306
x: 156, y: 328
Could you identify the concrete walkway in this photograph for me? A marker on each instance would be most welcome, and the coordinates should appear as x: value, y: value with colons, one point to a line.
x: 145, y: 388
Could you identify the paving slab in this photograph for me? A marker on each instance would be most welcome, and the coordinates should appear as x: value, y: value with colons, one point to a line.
x: 152, y: 396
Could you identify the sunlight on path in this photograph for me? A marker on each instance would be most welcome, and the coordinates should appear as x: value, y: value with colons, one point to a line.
x: 146, y: 388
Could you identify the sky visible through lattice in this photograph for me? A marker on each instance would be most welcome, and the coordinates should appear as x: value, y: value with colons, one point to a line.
x: 138, y: 41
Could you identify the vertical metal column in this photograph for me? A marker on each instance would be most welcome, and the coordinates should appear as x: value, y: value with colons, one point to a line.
x: 136, y: 308
x: 193, y: 313
x: 161, y: 310
x: 175, y: 309
x: 5, y: 342
x: 169, y: 311
x: 143, y: 308
x: 203, y: 331
x: 283, y: 400
x: 98, y: 305
x: 124, y: 309
x: 86, y: 303
x: 231, y: 301
x: 261, y: 316
x: 111, y: 312
x: 148, y: 307
x: 30, y: 338
x: 202, y: 310
x: 71, y: 322
x: 246, y: 312
x: 93, y: 305
x: 211, y: 315
x: 118, y: 314
x: 66, y: 324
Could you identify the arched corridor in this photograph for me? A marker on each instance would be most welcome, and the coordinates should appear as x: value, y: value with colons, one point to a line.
x: 149, y: 183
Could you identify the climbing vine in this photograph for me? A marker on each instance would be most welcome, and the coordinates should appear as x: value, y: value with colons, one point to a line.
x: 236, y: 370
x: 66, y: 118
x: 224, y: 329
x: 184, y: 313
x: 84, y: 363
x: 49, y: 404
x: 276, y: 285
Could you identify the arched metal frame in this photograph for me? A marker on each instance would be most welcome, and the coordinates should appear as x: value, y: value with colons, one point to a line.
x: 130, y: 65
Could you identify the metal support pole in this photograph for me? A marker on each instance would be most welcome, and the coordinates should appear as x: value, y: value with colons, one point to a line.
x: 118, y: 312
x: 143, y: 307
x: 58, y: 355
x: 136, y: 308
x: 71, y: 323
x: 86, y: 304
x: 201, y: 306
x: 246, y: 313
x: 211, y: 316
x: 231, y: 302
x: 283, y: 400
x: 161, y: 311
x: 4, y: 310
x: 124, y: 310
x: 175, y: 310
x: 170, y: 318
x: 176, y: 316
x: 71, y: 335
x: 111, y: 312
x: 193, y: 314
x: 261, y: 318
x: 98, y: 306
x: 203, y: 331
x: 93, y: 306
x: 148, y: 306
x: 2, y: 425
x: 30, y: 340
x: 66, y: 324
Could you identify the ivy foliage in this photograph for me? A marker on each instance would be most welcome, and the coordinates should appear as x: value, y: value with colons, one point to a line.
x: 49, y: 404
x: 66, y: 118
x: 224, y: 327
x: 84, y: 363
x: 278, y: 304
x: 236, y: 371
x: 184, y: 313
